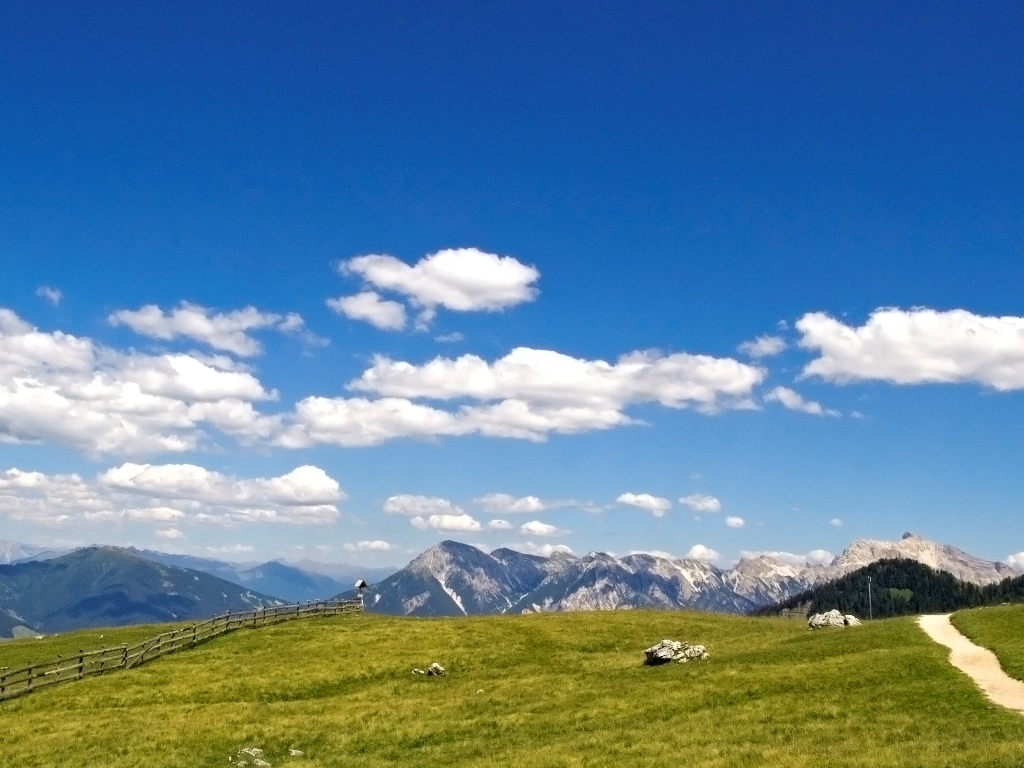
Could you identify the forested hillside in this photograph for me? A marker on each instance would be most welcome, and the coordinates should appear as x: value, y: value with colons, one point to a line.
x: 900, y: 588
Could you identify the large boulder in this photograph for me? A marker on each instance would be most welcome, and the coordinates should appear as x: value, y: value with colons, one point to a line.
x: 673, y: 650
x: 832, y: 618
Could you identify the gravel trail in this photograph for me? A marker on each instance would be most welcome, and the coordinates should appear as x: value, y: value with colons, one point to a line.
x: 978, y: 663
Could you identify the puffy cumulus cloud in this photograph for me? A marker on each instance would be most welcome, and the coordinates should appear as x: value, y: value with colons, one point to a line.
x: 461, y: 523
x: 371, y: 308
x: 504, y: 503
x: 814, y: 557
x: 52, y: 295
x: 701, y: 502
x: 735, y: 522
x: 704, y: 554
x: 548, y: 378
x: 376, y: 545
x: 500, y: 525
x: 656, y: 505
x: 527, y: 395
x: 917, y: 346
x: 170, y: 493
x: 1016, y: 561
x: 654, y: 553
x: 458, y: 279
x: 230, y: 549
x: 170, y: 534
x: 544, y: 550
x: 793, y: 401
x: 537, y: 528
x: 835, y: 522
x: 819, y: 557
x: 762, y: 346
x: 55, y: 387
x: 227, y: 331
x: 351, y: 422
x: 408, y: 504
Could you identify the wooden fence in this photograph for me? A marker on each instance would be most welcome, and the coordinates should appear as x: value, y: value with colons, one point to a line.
x: 32, y: 677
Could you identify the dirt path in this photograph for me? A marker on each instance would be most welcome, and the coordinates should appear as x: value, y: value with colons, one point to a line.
x: 978, y: 663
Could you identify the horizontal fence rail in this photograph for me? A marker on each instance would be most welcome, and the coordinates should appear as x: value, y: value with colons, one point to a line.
x: 31, y: 677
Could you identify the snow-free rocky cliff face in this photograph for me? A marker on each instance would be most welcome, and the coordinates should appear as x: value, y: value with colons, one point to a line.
x: 453, y: 579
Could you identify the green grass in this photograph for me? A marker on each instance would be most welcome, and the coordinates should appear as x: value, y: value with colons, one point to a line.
x: 1001, y: 630
x: 548, y: 690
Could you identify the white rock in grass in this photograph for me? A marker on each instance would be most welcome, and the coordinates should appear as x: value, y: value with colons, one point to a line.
x: 851, y: 620
x: 435, y: 670
x: 831, y: 618
x: 673, y: 650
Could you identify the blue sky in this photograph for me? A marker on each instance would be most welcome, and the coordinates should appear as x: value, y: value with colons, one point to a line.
x: 599, y: 183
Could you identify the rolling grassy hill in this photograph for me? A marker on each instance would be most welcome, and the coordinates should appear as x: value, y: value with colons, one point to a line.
x: 540, y: 690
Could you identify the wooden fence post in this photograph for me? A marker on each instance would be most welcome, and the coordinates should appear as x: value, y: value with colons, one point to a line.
x: 124, y: 654
x: 103, y: 658
x: 29, y: 678
x: 3, y: 681
x: 81, y: 663
x: 59, y: 657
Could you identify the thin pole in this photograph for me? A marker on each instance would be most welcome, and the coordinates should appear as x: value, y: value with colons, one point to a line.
x: 870, y: 613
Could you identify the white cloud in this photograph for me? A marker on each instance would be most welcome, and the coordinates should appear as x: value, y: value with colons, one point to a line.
x: 656, y: 505
x: 450, y: 338
x: 226, y: 331
x: 545, y: 550
x: 819, y: 557
x: 500, y: 525
x: 368, y: 306
x: 814, y: 557
x: 504, y: 503
x: 170, y: 533
x: 52, y: 295
x: 525, y: 395
x: 704, y: 554
x: 654, y: 553
x: 537, y: 528
x: 463, y: 523
x: 795, y: 402
x: 169, y: 493
x: 55, y: 387
x: 408, y: 504
x: 460, y: 279
x: 835, y: 522
x: 1016, y: 561
x: 763, y: 346
x: 735, y: 522
x: 701, y: 502
x: 231, y: 549
x: 553, y: 380
x: 917, y: 346
x: 377, y: 545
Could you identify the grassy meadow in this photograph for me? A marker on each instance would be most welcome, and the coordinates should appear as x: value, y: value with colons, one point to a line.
x: 549, y: 690
x: 1000, y: 629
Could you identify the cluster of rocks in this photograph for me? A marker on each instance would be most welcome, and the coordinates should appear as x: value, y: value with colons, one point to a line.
x: 434, y: 670
x: 673, y: 650
x: 832, y: 618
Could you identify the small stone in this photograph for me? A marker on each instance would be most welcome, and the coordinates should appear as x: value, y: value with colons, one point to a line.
x: 851, y: 620
x: 435, y: 670
x: 294, y: 752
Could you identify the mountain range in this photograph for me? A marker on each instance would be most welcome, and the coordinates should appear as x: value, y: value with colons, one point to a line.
x: 453, y: 579
x: 299, y: 582
x: 111, y: 586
